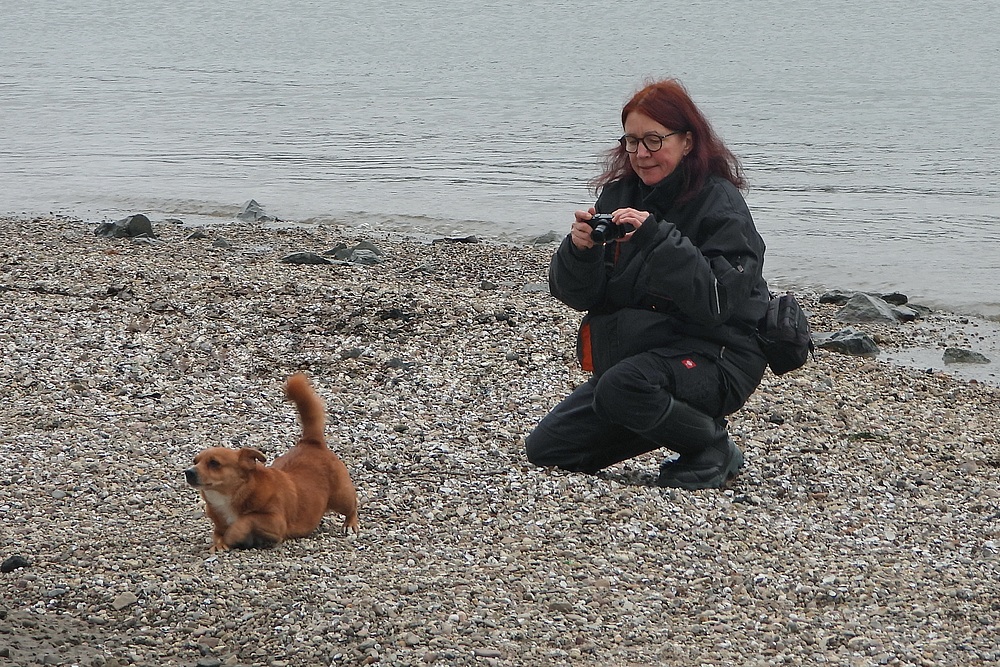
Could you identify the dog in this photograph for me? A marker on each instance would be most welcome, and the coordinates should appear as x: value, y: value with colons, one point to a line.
x: 258, y: 506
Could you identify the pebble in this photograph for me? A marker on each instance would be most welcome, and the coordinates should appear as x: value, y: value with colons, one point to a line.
x: 863, y: 530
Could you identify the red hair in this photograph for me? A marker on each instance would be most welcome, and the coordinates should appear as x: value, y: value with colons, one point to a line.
x: 669, y: 104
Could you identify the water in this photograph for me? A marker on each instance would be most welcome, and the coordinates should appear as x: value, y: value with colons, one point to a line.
x: 869, y: 131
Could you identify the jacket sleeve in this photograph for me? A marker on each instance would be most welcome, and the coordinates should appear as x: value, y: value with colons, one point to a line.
x: 713, y: 280
x: 577, y: 277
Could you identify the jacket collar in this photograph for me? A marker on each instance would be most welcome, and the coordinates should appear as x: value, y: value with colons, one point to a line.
x: 662, y: 196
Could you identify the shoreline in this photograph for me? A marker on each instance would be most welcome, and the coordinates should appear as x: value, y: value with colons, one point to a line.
x: 863, y: 530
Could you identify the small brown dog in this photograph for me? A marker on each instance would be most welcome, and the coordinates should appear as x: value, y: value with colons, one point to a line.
x: 253, y: 505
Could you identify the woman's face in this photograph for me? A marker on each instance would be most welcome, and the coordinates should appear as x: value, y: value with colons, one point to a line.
x: 653, y: 166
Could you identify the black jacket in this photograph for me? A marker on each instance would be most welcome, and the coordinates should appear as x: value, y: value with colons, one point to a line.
x: 689, y: 279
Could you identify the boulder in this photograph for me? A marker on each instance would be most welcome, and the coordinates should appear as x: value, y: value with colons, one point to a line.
x: 848, y: 341
x: 866, y: 308
x: 134, y: 226
x: 253, y: 212
x: 957, y: 355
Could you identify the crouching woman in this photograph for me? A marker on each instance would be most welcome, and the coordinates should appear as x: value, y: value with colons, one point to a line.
x: 672, y: 292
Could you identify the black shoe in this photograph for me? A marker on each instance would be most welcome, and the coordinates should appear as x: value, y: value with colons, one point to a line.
x: 711, y: 468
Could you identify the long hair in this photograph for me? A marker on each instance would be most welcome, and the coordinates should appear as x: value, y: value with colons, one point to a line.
x: 669, y: 104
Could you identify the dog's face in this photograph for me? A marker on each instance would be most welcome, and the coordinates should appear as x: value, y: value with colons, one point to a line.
x: 222, y: 469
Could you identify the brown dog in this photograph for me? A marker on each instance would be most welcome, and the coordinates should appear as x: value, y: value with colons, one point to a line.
x: 253, y: 505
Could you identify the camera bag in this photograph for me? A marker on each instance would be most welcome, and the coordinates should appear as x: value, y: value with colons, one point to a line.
x: 783, y: 334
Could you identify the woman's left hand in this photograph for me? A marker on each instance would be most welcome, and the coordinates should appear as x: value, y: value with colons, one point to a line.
x: 630, y: 216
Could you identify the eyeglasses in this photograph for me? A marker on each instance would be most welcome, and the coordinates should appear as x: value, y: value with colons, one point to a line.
x: 653, y: 142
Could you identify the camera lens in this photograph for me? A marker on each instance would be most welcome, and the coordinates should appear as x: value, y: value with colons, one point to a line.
x: 599, y: 233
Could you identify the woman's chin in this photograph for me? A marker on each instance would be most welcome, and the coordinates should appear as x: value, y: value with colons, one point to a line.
x: 650, y: 177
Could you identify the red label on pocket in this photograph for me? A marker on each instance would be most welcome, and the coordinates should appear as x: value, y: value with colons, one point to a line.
x: 586, y: 355
x: 688, y: 363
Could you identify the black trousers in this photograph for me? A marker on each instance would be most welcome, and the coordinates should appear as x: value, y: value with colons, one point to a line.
x: 623, y: 413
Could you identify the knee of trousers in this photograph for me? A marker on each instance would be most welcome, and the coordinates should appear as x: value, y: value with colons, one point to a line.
x: 545, y: 450
x: 622, y: 389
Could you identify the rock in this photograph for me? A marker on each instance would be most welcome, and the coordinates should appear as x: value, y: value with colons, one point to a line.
x: 866, y: 308
x: 365, y: 252
x: 486, y: 653
x: 304, y: 258
x: 458, y: 239
x: 124, y: 600
x: 253, y: 212
x: 894, y: 298
x: 547, y: 237
x: 134, y: 226
x: 836, y: 297
x: 14, y: 563
x: 956, y: 355
x: 905, y: 313
x: 847, y: 341
x: 366, y: 257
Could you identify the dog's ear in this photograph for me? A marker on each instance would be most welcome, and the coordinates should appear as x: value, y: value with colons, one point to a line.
x: 249, y: 458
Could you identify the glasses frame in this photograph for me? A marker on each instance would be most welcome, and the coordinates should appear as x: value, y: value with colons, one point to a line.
x: 623, y: 140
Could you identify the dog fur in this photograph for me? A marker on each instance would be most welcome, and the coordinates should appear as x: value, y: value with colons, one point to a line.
x: 253, y: 505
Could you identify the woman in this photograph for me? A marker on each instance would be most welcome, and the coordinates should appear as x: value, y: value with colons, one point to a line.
x: 671, y: 306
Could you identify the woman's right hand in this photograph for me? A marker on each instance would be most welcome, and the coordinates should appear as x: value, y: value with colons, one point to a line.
x: 580, y: 233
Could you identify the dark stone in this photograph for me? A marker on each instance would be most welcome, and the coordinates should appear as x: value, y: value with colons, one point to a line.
x: 905, y: 313
x: 364, y: 256
x: 957, y: 355
x: 14, y: 563
x: 866, y: 308
x: 339, y: 251
x: 848, y: 341
x: 365, y: 252
x: 134, y: 226
x: 836, y: 297
x: 253, y: 212
x: 458, y: 239
x: 895, y: 298
x: 304, y: 258
x: 548, y: 237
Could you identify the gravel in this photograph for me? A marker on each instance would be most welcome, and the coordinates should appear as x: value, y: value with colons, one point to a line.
x: 864, y: 531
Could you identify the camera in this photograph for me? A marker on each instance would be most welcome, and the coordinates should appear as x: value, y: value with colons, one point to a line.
x: 604, y: 230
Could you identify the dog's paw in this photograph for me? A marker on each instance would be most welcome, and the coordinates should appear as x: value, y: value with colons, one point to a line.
x: 218, y: 546
x: 351, y: 526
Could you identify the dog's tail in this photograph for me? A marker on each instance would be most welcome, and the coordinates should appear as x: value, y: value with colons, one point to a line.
x: 312, y: 412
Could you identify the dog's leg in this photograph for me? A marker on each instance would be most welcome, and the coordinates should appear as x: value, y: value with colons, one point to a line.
x: 255, y: 530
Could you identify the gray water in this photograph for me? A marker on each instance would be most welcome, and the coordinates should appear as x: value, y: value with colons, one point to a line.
x: 869, y: 131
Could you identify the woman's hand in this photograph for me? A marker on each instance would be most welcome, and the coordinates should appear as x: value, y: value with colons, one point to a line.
x: 580, y: 233
x: 630, y: 216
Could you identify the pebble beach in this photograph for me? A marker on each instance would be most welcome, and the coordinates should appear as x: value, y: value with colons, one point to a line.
x: 865, y: 529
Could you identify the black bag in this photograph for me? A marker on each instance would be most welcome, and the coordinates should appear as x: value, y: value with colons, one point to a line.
x: 783, y: 334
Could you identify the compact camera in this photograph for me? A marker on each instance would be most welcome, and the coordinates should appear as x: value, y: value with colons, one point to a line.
x: 604, y: 230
